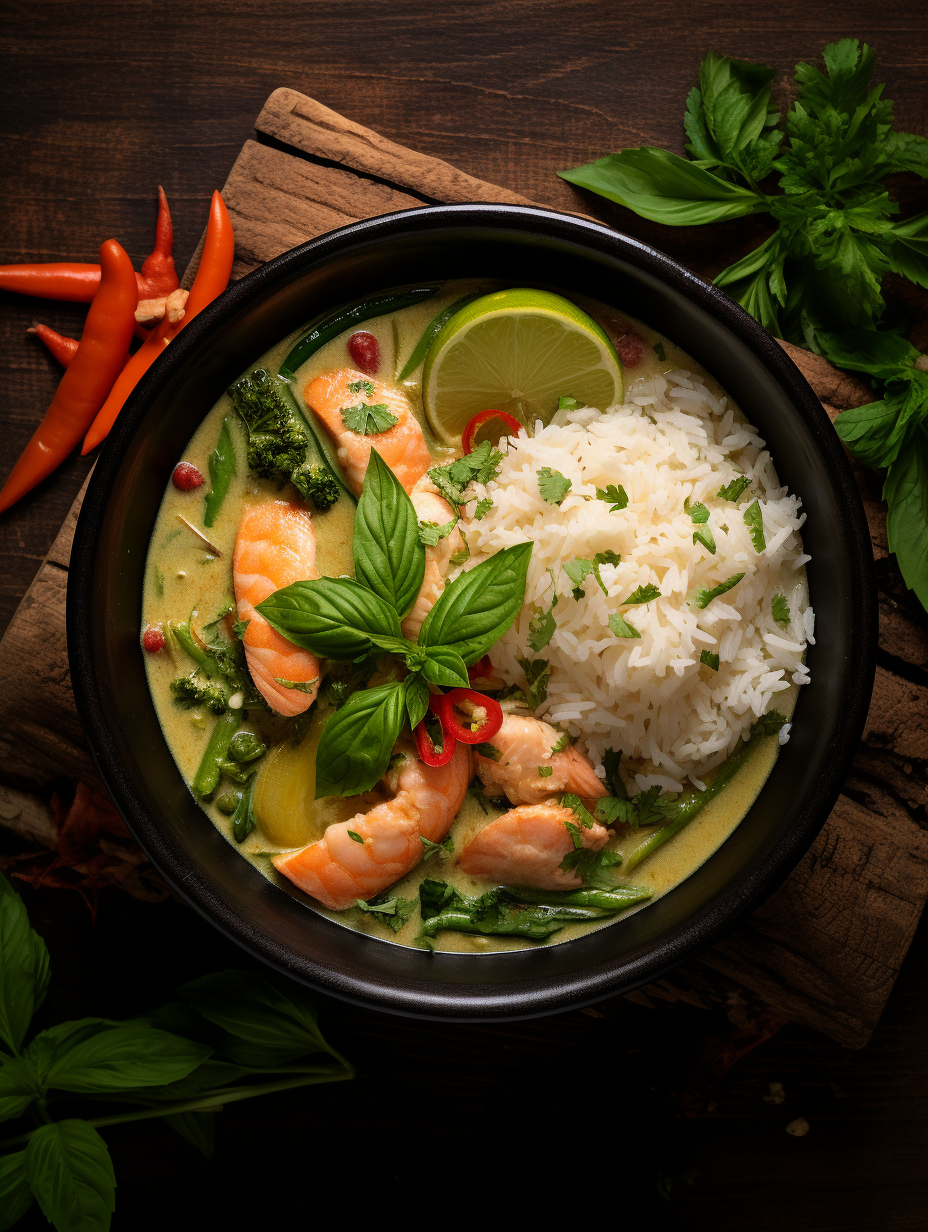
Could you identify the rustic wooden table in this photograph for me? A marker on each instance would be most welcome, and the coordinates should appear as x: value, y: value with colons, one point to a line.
x: 103, y: 102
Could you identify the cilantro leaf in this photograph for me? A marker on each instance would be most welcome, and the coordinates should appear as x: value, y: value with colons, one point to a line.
x: 705, y: 597
x: 430, y: 532
x: 607, y: 558
x: 699, y: 516
x: 754, y: 521
x: 560, y: 746
x: 542, y: 624
x: 443, y: 849
x: 621, y: 628
x: 731, y: 491
x: 537, y: 675
x: 488, y: 750
x: 612, y: 760
x: 579, y: 809
x: 578, y: 570
x: 479, y: 466
x: 552, y: 485
x: 462, y: 554
x: 368, y: 420
x: 361, y: 387
x: 482, y: 508
x: 615, y: 496
x: 644, y: 594
x: 779, y: 609
x: 653, y: 807
x: 394, y: 912
x: 709, y: 659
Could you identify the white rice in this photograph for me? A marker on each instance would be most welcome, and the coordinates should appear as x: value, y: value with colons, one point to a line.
x: 673, y: 440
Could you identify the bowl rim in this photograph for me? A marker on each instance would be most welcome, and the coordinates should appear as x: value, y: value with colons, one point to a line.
x: 745, y: 890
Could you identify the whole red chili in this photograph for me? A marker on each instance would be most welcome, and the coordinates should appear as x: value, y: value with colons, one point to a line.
x: 426, y: 749
x: 185, y: 477
x: 153, y: 639
x: 364, y: 350
x: 442, y: 706
x: 512, y: 426
x: 88, y: 379
x: 211, y: 280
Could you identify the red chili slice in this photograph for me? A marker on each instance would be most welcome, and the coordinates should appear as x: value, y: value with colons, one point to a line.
x: 482, y: 669
x: 427, y: 750
x: 442, y: 705
x: 513, y: 427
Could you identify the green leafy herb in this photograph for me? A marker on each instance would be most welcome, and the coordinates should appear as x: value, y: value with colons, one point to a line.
x: 222, y: 469
x: 462, y: 554
x: 612, y: 761
x: 552, y: 485
x: 394, y: 912
x: 579, y: 809
x: 705, y: 597
x: 591, y: 866
x: 578, y: 570
x: 488, y: 750
x: 621, y: 628
x: 368, y: 420
x: 653, y: 806
x: 754, y: 521
x: 239, y: 628
x: 561, y: 745
x: 357, y: 742
x: 430, y: 533
x: 444, y: 666
x: 416, y: 700
x: 362, y: 387
x: 389, y: 558
x: 643, y: 594
x: 355, y: 836
x: 660, y: 352
x: 479, y: 466
x: 607, y: 558
x: 617, y: 497
x: 301, y: 686
x: 333, y: 617
x: 545, y: 772
x: 442, y: 907
x: 699, y: 515
x: 542, y: 624
x: 537, y: 674
x: 709, y: 659
x: 731, y: 491
x: 443, y: 849
x: 566, y: 403
x: 779, y: 609
x: 482, y: 508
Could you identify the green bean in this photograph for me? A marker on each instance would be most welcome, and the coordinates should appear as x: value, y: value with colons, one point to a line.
x: 181, y: 632
x: 613, y: 901
x: 319, y: 451
x: 243, y: 819
x: 335, y: 323
x: 519, y: 924
x: 222, y: 468
x: 207, y: 777
x: 421, y: 349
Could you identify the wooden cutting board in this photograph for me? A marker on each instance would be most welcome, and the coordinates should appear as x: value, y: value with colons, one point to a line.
x: 826, y: 948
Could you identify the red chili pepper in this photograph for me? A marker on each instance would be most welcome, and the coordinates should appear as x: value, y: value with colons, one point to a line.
x: 427, y: 750
x: 100, y: 356
x: 513, y: 427
x: 212, y: 278
x: 64, y: 349
x: 78, y: 282
x: 442, y: 706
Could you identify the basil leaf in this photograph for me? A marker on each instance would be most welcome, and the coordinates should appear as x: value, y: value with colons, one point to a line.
x: 15, y: 1194
x: 332, y: 617
x: 93, y: 1055
x: 71, y: 1174
x: 222, y: 467
x: 23, y: 968
x: 17, y: 1088
x: 416, y: 700
x: 665, y: 188
x: 906, y: 494
x: 263, y: 1023
x: 477, y: 608
x: 357, y: 742
x: 445, y: 666
x: 388, y: 557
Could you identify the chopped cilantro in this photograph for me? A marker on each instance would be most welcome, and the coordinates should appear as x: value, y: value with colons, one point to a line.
x: 488, y: 750
x: 769, y: 724
x: 709, y: 659
x: 479, y: 466
x: 733, y: 490
x: 462, y: 554
x: 578, y: 570
x: 705, y: 536
x: 579, y: 810
x: 430, y: 532
x: 621, y: 628
x: 644, y: 594
x: 443, y: 849
x: 612, y: 495
x: 617, y: 810
x: 542, y: 624
x: 545, y: 772
x: 560, y: 746
x: 660, y: 352
x: 368, y: 420
x: 301, y: 686
x: 653, y: 807
x: 779, y: 609
x: 611, y: 763
x: 607, y: 558
x: 699, y: 516
x: 552, y: 485
x: 361, y: 387
x: 239, y: 628
x: 705, y: 597
x: 698, y: 513
x: 754, y: 521
x: 395, y: 911
x: 482, y: 508
x: 537, y: 673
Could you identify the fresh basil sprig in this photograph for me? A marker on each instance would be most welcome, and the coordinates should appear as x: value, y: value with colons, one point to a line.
x: 333, y: 617
x: 388, y: 556
x: 357, y: 742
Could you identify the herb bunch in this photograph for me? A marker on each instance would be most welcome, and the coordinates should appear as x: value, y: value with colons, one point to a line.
x: 230, y: 1036
x: 356, y: 620
x: 817, y: 279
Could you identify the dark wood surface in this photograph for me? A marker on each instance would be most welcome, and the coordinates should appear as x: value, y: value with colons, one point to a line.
x: 101, y: 103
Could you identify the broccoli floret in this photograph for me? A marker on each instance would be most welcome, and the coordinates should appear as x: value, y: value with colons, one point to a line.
x: 315, y: 483
x: 192, y: 691
x: 277, y: 439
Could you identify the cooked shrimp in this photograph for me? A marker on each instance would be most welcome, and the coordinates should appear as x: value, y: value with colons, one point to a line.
x: 402, y: 447
x: 275, y: 546
x: 430, y: 506
x: 526, y: 846
x: 338, y: 869
x: 525, y: 745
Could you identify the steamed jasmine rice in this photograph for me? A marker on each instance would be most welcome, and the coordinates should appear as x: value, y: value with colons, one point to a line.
x: 656, y: 697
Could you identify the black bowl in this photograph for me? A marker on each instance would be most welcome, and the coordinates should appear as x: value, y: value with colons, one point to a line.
x: 104, y: 609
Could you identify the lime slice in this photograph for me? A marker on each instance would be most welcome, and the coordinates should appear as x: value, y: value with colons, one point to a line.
x: 517, y: 351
